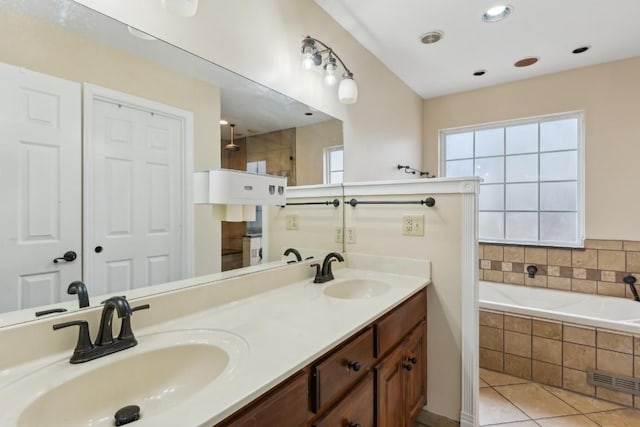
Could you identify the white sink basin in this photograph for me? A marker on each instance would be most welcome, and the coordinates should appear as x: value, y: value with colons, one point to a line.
x: 161, y: 372
x: 356, y: 288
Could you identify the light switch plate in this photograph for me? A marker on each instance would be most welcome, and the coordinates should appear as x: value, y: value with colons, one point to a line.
x: 339, y: 236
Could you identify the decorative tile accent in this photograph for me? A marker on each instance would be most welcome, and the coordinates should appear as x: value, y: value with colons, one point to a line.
x: 579, y: 273
x: 578, y: 270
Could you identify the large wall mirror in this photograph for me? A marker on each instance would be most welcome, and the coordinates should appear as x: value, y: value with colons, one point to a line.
x: 97, y: 118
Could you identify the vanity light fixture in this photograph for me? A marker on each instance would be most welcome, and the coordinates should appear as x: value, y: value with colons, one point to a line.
x: 312, y: 58
x: 497, y: 13
x: 181, y: 8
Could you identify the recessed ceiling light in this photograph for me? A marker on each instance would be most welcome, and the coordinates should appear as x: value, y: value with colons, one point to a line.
x: 525, y: 62
x: 497, y: 13
x: 431, y: 37
x: 581, y: 49
x: 480, y: 73
x: 224, y: 122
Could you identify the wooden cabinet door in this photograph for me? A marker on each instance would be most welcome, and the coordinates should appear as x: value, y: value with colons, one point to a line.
x: 286, y: 406
x: 389, y: 389
x: 415, y: 380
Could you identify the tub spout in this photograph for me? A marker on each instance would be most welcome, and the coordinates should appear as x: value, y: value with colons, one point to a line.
x: 631, y: 281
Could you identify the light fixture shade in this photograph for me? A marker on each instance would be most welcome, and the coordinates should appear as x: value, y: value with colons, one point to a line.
x: 330, y: 68
x: 182, y: 8
x: 348, y: 90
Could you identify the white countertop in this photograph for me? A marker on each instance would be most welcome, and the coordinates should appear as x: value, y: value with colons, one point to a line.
x: 284, y: 330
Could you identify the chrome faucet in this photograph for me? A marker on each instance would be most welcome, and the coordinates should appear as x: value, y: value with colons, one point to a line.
x: 325, y: 274
x: 105, y: 343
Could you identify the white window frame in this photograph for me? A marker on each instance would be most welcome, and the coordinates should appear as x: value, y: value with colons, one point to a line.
x: 327, y: 163
x: 579, y: 243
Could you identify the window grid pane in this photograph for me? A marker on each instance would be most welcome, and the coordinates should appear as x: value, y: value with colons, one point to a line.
x: 532, y: 174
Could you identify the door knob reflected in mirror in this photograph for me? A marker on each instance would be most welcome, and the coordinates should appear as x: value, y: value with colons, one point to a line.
x: 68, y: 256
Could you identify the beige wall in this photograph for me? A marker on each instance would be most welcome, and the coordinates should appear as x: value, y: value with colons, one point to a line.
x: 51, y: 50
x: 609, y: 95
x: 261, y: 40
x: 311, y: 141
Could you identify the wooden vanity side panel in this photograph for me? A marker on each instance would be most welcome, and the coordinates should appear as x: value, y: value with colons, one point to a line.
x: 331, y: 377
x: 356, y: 408
x: 286, y: 406
x: 394, y: 326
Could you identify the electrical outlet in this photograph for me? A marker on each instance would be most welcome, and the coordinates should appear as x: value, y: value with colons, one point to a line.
x: 292, y: 222
x: 413, y: 225
x: 350, y: 234
x: 339, y: 236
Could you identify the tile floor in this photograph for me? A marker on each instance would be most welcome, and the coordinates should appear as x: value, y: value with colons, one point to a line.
x: 507, y: 401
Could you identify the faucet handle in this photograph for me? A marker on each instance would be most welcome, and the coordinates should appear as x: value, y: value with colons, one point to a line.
x: 318, y: 278
x: 84, y: 340
x: 125, y: 328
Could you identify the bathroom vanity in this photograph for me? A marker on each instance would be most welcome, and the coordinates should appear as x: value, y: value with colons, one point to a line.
x: 378, y: 374
x: 269, y: 348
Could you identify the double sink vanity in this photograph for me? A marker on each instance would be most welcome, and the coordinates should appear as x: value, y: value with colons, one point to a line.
x: 267, y: 348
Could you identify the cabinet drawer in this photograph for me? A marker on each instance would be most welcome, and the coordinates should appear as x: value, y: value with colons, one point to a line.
x: 284, y: 406
x: 343, y: 368
x: 356, y: 408
x: 393, y: 327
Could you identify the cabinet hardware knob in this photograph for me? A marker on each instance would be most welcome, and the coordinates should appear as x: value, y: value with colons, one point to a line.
x: 407, y: 366
x: 355, y: 366
x: 413, y: 360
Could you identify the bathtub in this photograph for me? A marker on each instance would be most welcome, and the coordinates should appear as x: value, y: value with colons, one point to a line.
x: 597, y: 311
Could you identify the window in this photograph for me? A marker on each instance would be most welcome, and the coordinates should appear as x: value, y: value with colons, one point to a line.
x: 334, y: 165
x: 532, y: 171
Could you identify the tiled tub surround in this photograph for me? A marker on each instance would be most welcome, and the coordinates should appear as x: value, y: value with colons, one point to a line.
x: 559, y: 352
x: 596, y: 269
